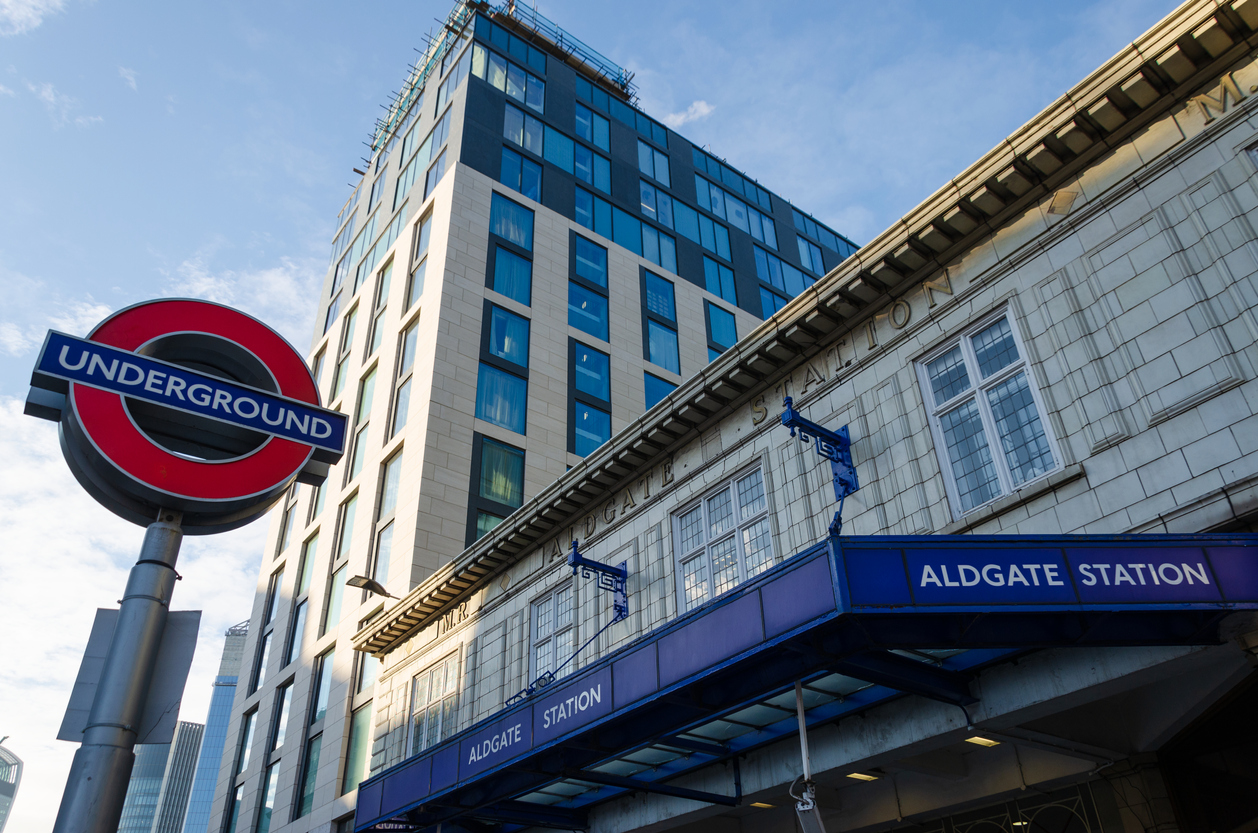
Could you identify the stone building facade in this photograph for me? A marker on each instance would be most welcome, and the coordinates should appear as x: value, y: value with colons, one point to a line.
x: 1063, y: 340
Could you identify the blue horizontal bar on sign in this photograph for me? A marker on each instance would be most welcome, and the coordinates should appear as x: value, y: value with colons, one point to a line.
x: 1080, y: 571
x: 108, y: 368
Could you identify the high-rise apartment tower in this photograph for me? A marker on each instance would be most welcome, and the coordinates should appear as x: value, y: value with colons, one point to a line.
x: 529, y: 264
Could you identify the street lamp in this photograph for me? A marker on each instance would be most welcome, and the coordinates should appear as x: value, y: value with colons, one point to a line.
x: 369, y: 584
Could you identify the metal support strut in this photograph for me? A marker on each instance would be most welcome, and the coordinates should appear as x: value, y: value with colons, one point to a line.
x: 92, y: 802
x: 615, y: 579
x: 835, y: 446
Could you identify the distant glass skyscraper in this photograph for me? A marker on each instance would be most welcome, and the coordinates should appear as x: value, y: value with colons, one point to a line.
x: 144, y: 787
x: 200, y: 800
x: 172, y: 799
x: 10, y: 778
x: 157, y: 794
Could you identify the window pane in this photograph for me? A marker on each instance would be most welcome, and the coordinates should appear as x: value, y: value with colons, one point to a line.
x: 485, y: 522
x: 691, y: 525
x: 544, y: 616
x: 593, y: 428
x: 384, y: 551
x: 388, y: 491
x: 531, y: 180
x: 511, y: 221
x: 591, y: 261
x: 298, y: 636
x: 324, y: 687
x: 501, y: 398
x: 359, y: 744
x: 304, y: 570
x: 264, y: 656
x: 948, y: 376
x: 513, y: 276
x: 366, y: 391
x: 661, y: 168
x: 417, y: 284
x: 336, y: 594
x: 969, y: 455
x: 587, y: 310
x: 659, y: 297
x: 724, y: 566
x: 656, y: 389
x: 509, y: 336
x: 695, y: 581
x: 246, y: 740
x: 401, y: 406
x: 309, y: 770
x: 347, y: 526
x: 1018, y: 424
x: 559, y: 150
x: 563, y: 608
x: 662, y: 347
x: 759, y: 552
x: 721, y: 326
x: 646, y: 158
x: 593, y: 372
x: 750, y: 495
x: 502, y: 473
x: 281, y: 719
x: 270, y: 781
x: 720, y: 513
x: 995, y: 348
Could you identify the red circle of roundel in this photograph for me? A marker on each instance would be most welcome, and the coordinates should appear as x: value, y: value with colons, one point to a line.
x: 110, y: 428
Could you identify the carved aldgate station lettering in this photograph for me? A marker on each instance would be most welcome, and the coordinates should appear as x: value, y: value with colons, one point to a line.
x: 575, y: 704
x: 492, y: 746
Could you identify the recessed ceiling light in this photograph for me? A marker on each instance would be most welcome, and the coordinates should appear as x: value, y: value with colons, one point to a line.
x: 862, y: 776
x: 978, y: 741
x: 1019, y: 824
x: 761, y: 805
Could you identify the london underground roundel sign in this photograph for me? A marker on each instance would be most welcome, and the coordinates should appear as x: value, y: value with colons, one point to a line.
x: 185, y: 405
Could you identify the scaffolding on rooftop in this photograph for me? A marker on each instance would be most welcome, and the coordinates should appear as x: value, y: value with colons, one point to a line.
x: 527, y: 22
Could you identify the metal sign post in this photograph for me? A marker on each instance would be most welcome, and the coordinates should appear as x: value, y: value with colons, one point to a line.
x: 183, y: 417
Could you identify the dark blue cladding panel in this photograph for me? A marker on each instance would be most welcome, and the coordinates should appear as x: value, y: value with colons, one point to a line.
x: 1237, y: 571
x: 404, y: 785
x: 572, y: 706
x: 445, y: 767
x: 799, y: 596
x: 500, y: 741
x: 1143, y: 574
x: 876, y: 577
x: 715, y: 636
x: 989, y: 576
x: 636, y: 676
x: 368, y: 802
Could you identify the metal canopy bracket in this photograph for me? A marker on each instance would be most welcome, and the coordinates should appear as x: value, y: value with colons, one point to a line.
x: 835, y: 446
x: 615, y: 579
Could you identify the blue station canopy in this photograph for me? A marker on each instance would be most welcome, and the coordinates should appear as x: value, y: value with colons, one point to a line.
x: 859, y: 620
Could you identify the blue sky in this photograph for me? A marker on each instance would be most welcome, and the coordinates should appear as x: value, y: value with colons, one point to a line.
x: 204, y: 149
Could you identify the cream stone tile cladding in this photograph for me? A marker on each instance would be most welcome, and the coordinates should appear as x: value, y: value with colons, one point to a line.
x: 1136, y: 300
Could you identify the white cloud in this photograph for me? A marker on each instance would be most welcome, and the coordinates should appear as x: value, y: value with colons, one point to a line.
x: 284, y: 296
x: 127, y: 75
x: 18, y: 16
x: 60, y: 106
x: 32, y: 309
x: 6, y: 91
x: 697, y: 110
x: 65, y: 556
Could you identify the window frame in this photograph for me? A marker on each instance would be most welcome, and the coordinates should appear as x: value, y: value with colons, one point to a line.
x: 577, y: 398
x: 447, y: 696
x: 419, y: 260
x: 649, y: 316
x: 403, y: 374
x: 589, y: 285
x: 978, y: 384
x: 475, y: 502
x: 704, y: 550
x: 551, y: 639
